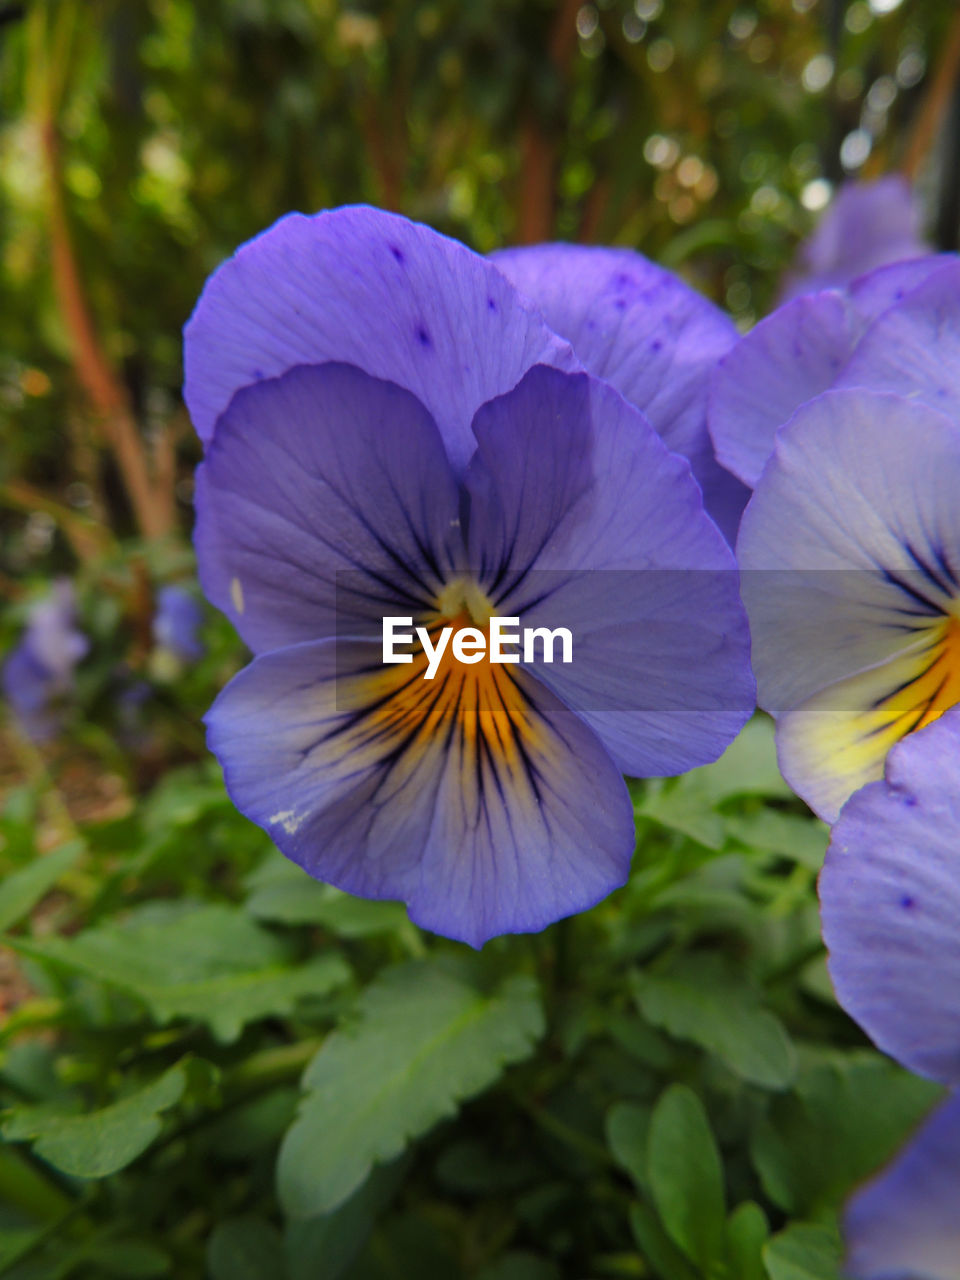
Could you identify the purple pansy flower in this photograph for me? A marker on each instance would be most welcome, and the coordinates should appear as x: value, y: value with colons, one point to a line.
x: 176, y: 622
x: 648, y: 334
x: 850, y: 551
x: 39, y: 671
x: 903, y: 1224
x: 817, y: 341
x: 890, y: 903
x: 867, y: 225
x: 392, y: 431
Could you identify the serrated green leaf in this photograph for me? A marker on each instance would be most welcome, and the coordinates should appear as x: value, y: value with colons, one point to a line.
x: 423, y: 1043
x: 686, y: 1176
x: 102, y: 1142
x: 22, y: 890
x: 747, y: 1232
x: 698, y: 1001
x: 804, y: 1251
x: 248, y: 1248
x: 627, y: 1127
x: 844, y: 1120
x: 212, y: 964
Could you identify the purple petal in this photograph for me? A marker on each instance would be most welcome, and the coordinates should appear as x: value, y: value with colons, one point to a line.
x: 850, y: 559
x: 177, y: 620
x: 903, y: 1225
x: 478, y: 799
x: 648, y: 334
x: 875, y: 292
x: 787, y: 359
x: 914, y: 347
x: 320, y: 479
x: 867, y: 225
x: 607, y: 536
x: 368, y: 288
x: 890, y: 902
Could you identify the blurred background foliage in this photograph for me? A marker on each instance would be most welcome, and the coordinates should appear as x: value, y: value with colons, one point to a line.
x: 662, y: 1088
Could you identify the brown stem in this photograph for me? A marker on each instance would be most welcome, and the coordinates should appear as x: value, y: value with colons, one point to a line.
x: 935, y: 103
x: 383, y: 159
x: 153, y: 506
x: 594, y: 207
x: 537, y: 203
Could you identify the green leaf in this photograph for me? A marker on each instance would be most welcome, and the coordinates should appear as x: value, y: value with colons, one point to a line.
x: 627, y: 1127
x: 804, y: 1252
x: 338, y: 1237
x: 698, y: 1001
x: 520, y: 1265
x: 17, y: 1241
x: 211, y: 964
x: 283, y: 892
x: 657, y: 1247
x: 21, y: 891
x: 686, y: 1176
x: 747, y: 1232
x: 845, y: 1119
x: 101, y: 1143
x: 802, y: 840
x: 247, y: 1248
x: 424, y: 1042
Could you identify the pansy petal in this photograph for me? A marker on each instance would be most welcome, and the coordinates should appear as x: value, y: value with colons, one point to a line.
x: 609, y: 539
x: 838, y: 740
x: 866, y: 225
x: 903, y: 1224
x: 914, y: 347
x: 647, y: 333
x: 788, y: 358
x: 890, y: 901
x: 875, y: 292
x: 325, y: 498
x: 850, y: 546
x: 477, y: 798
x: 364, y: 287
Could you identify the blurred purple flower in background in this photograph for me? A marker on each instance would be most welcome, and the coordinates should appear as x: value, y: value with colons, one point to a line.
x: 176, y: 623
x: 392, y: 430
x: 38, y: 673
x: 866, y: 225
x: 834, y: 338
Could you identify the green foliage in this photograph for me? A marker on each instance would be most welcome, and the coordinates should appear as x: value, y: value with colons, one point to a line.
x: 209, y: 963
x: 424, y: 1042
x: 101, y: 1142
x: 212, y: 1067
x: 686, y: 1176
x: 219, y: 1068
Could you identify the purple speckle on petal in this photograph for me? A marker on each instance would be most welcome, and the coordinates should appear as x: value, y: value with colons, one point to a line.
x: 423, y: 337
x: 398, y: 254
x: 492, y: 304
x: 907, y: 902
